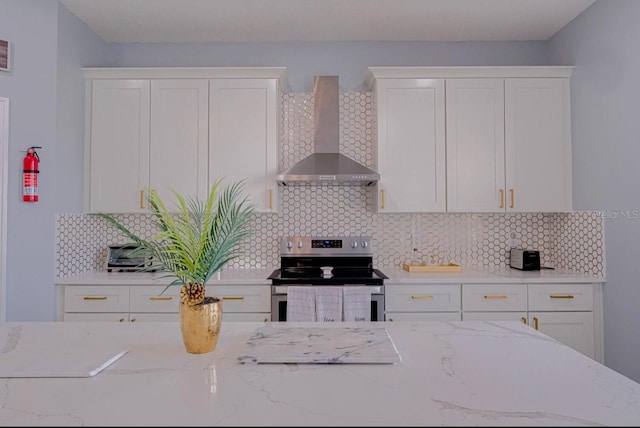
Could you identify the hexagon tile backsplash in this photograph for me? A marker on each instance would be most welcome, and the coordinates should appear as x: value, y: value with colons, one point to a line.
x: 572, y: 241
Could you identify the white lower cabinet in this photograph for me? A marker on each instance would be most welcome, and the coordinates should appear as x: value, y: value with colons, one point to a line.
x: 422, y: 302
x: 566, y: 312
x: 140, y: 303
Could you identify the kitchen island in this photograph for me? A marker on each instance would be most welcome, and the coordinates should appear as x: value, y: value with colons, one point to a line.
x: 450, y: 373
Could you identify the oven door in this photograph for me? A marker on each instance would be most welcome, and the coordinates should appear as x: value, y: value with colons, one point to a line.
x: 279, y: 302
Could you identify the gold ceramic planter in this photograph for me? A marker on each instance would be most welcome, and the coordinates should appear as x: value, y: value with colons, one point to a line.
x: 200, y: 325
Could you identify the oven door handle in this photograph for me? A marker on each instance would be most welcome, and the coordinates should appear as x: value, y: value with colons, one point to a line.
x: 282, y: 289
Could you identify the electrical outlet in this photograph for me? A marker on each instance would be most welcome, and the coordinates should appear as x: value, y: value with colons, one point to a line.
x: 514, y: 242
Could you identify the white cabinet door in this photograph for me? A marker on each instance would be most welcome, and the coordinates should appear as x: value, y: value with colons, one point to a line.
x: 179, y: 137
x: 243, y: 136
x: 574, y: 329
x: 119, y: 145
x: 538, y: 144
x: 411, y: 145
x: 475, y: 145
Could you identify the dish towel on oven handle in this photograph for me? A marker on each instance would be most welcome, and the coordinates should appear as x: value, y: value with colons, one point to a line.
x: 328, y: 303
x: 357, y: 303
x: 301, y: 303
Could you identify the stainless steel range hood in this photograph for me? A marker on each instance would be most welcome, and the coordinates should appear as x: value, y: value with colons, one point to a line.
x: 327, y: 165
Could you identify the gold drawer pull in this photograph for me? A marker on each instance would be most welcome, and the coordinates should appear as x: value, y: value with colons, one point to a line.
x: 496, y: 297
x: 561, y: 296
x: 270, y: 199
x: 233, y: 298
x: 382, y: 197
x: 95, y: 298
x: 142, y: 199
x: 160, y: 298
x: 121, y: 319
x: 501, y: 198
x: 133, y: 320
x: 524, y: 320
x: 535, y: 322
x: 421, y: 297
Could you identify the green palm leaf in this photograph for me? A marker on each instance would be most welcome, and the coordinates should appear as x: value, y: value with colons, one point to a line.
x: 200, y: 237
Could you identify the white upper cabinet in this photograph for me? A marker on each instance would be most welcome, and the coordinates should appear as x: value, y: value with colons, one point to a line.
x: 179, y: 135
x: 411, y: 145
x: 538, y: 144
x: 475, y: 145
x: 508, y: 139
x: 180, y: 129
x: 119, y: 149
x: 244, y: 137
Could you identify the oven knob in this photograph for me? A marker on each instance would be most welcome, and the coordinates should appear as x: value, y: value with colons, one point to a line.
x: 354, y: 244
x: 299, y: 244
x: 364, y: 244
x: 289, y: 245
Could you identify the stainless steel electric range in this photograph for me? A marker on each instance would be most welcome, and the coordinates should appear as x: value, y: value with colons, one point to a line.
x: 334, y: 261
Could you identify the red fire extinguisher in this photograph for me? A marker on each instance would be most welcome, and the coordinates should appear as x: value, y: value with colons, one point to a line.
x: 30, y: 171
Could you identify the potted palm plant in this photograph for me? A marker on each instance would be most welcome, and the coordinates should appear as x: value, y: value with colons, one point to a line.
x: 194, y: 242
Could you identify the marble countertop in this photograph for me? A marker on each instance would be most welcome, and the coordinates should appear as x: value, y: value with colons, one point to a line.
x: 396, y: 276
x: 225, y: 276
x: 450, y: 374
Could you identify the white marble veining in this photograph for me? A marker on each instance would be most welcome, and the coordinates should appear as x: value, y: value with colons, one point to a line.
x: 51, y: 350
x: 330, y: 343
x: 451, y: 374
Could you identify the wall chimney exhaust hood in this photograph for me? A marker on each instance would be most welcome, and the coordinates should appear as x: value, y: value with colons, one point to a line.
x: 327, y: 165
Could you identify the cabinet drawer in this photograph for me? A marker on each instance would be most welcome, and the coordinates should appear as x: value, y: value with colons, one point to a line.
x: 242, y: 298
x: 560, y: 297
x: 422, y: 298
x: 498, y: 297
x: 96, y: 298
x: 150, y: 298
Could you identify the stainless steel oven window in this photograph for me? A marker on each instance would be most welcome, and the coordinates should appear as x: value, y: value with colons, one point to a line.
x: 279, y: 304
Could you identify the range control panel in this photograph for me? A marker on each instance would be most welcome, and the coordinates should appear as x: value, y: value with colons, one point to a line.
x: 329, y: 246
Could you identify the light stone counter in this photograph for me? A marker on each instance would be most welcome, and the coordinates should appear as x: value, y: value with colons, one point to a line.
x: 397, y: 275
x: 225, y: 277
x: 450, y: 374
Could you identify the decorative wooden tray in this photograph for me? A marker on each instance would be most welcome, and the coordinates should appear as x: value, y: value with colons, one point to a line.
x: 451, y: 267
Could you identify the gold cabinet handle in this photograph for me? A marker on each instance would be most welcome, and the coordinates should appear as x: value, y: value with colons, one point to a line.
x: 390, y: 319
x: 270, y: 199
x: 382, y: 197
x: 160, y: 298
x: 233, y: 298
x: 513, y: 198
x: 142, y: 199
x: 496, y: 297
x: 524, y: 320
x: 265, y: 320
x: 133, y: 320
x: 421, y: 297
x: 94, y: 298
x: 121, y: 320
x: 535, y: 322
x: 561, y: 296
x: 501, y: 198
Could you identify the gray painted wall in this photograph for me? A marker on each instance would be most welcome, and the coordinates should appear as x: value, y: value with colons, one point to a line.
x: 31, y: 28
x: 349, y: 60
x: 603, y: 45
